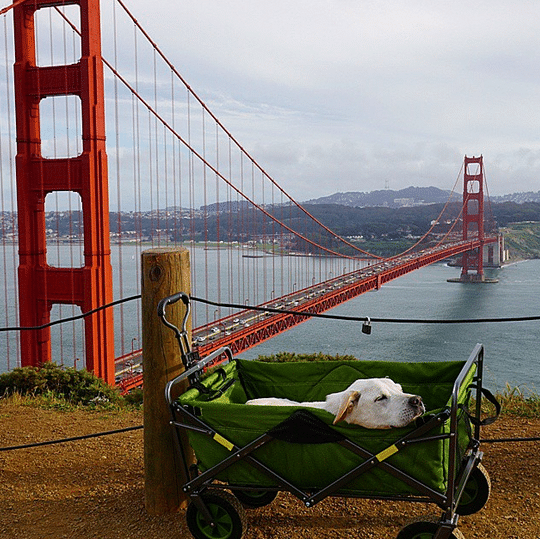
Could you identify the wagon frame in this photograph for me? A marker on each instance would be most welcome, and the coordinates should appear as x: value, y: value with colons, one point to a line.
x: 214, y: 512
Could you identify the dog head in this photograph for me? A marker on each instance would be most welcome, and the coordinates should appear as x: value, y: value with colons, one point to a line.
x: 375, y: 403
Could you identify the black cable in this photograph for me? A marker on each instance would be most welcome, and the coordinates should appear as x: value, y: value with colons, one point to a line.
x: 72, y: 318
x: 505, y: 440
x: 365, y: 318
x: 74, y: 438
x: 138, y: 427
x: 307, y: 314
x: 268, y: 309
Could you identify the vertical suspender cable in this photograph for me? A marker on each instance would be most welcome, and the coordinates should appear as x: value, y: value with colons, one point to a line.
x: 9, y: 302
x: 71, y: 151
x: 219, y: 208
x: 136, y: 129
x: 230, y: 271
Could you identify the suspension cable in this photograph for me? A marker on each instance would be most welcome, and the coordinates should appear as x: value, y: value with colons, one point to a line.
x: 254, y: 163
x: 436, y: 220
x: 7, y: 8
x: 229, y: 134
x: 204, y: 161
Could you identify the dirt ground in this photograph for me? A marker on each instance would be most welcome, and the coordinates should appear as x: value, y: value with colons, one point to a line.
x: 94, y: 489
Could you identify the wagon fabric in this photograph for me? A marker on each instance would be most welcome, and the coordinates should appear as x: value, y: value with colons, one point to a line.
x: 309, y: 465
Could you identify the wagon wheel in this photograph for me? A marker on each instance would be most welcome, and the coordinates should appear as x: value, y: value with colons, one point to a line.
x: 476, y: 492
x: 227, y: 513
x: 252, y: 499
x: 425, y: 529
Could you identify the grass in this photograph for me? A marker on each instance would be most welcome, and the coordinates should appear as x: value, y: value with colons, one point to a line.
x: 58, y: 403
x: 515, y: 403
x: 286, y: 357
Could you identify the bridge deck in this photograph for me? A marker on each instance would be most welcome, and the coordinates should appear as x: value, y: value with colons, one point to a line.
x: 249, y: 328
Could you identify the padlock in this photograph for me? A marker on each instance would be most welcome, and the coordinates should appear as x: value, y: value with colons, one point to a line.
x: 366, y: 326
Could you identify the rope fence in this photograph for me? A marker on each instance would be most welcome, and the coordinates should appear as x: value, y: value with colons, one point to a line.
x: 306, y: 314
x: 140, y: 427
x: 280, y: 311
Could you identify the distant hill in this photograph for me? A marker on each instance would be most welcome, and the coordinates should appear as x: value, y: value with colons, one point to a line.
x: 387, y: 198
x: 523, y: 239
x: 411, y: 196
x: 518, y: 198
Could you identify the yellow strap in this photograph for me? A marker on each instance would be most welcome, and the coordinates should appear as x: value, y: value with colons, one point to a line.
x: 388, y: 452
x: 224, y: 442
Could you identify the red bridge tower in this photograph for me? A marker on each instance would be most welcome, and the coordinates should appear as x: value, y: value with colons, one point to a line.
x: 473, y: 218
x: 41, y: 285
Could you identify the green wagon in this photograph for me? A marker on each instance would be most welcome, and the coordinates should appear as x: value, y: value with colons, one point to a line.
x: 245, y: 456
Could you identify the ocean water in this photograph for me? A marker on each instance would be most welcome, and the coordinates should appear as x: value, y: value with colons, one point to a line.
x: 512, y: 349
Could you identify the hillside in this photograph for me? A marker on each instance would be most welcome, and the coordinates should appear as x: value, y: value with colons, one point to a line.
x: 411, y: 196
x: 523, y: 239
x: 389, y: 198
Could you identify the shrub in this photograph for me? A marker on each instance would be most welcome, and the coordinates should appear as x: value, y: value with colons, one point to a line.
x: 285, y: 357
x: 75, y: 386
x: 134, y: 397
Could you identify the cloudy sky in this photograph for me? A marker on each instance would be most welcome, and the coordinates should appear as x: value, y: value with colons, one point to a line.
x: 353, y: 95
x: 357, y: 95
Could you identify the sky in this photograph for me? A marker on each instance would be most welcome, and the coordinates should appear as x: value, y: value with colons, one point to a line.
x: 358, y: 95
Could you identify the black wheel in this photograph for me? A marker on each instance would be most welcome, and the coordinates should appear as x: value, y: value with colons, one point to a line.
x: 252, y: 499
x: 476, y: 492
x: 227, y: 513
x: 424, y: 529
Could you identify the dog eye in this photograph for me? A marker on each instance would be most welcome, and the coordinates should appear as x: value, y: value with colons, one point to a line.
x: 381, y: 398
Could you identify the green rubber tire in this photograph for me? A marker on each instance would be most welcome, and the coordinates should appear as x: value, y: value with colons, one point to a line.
x: 227, y: 514
x: 424, y: 529
x: 476, y: 492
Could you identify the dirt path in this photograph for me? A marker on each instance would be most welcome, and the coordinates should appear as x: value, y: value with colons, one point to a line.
x: 94, y: 489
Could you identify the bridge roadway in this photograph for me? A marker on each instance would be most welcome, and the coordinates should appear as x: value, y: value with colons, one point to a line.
x: 248, y: 328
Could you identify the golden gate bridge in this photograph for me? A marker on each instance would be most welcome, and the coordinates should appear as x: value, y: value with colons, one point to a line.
x: 174, y: 171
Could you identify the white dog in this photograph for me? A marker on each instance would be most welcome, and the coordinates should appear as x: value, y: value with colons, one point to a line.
x: 374, y: 403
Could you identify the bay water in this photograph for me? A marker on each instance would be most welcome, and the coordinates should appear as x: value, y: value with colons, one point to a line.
x: 512, y: 349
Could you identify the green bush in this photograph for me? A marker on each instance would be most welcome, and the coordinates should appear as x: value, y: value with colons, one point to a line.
x: 134, y: 397
x: 74, y: 386
x: 285, y: 357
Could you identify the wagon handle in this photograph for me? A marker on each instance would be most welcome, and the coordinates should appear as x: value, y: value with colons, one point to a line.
x: 493, y: 400
x: 181, y: 336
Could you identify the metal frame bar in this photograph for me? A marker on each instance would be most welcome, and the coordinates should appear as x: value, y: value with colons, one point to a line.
x: 454, y: 495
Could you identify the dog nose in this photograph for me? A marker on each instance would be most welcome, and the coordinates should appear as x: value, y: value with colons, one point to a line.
x: 415, y: 401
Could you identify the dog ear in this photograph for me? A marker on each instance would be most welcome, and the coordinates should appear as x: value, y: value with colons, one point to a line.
x: 347, y: 406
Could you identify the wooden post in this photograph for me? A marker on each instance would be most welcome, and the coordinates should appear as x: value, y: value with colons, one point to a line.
x: 164, y: 272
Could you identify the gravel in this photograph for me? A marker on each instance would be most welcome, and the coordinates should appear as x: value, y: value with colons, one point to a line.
x: 94, y: 489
